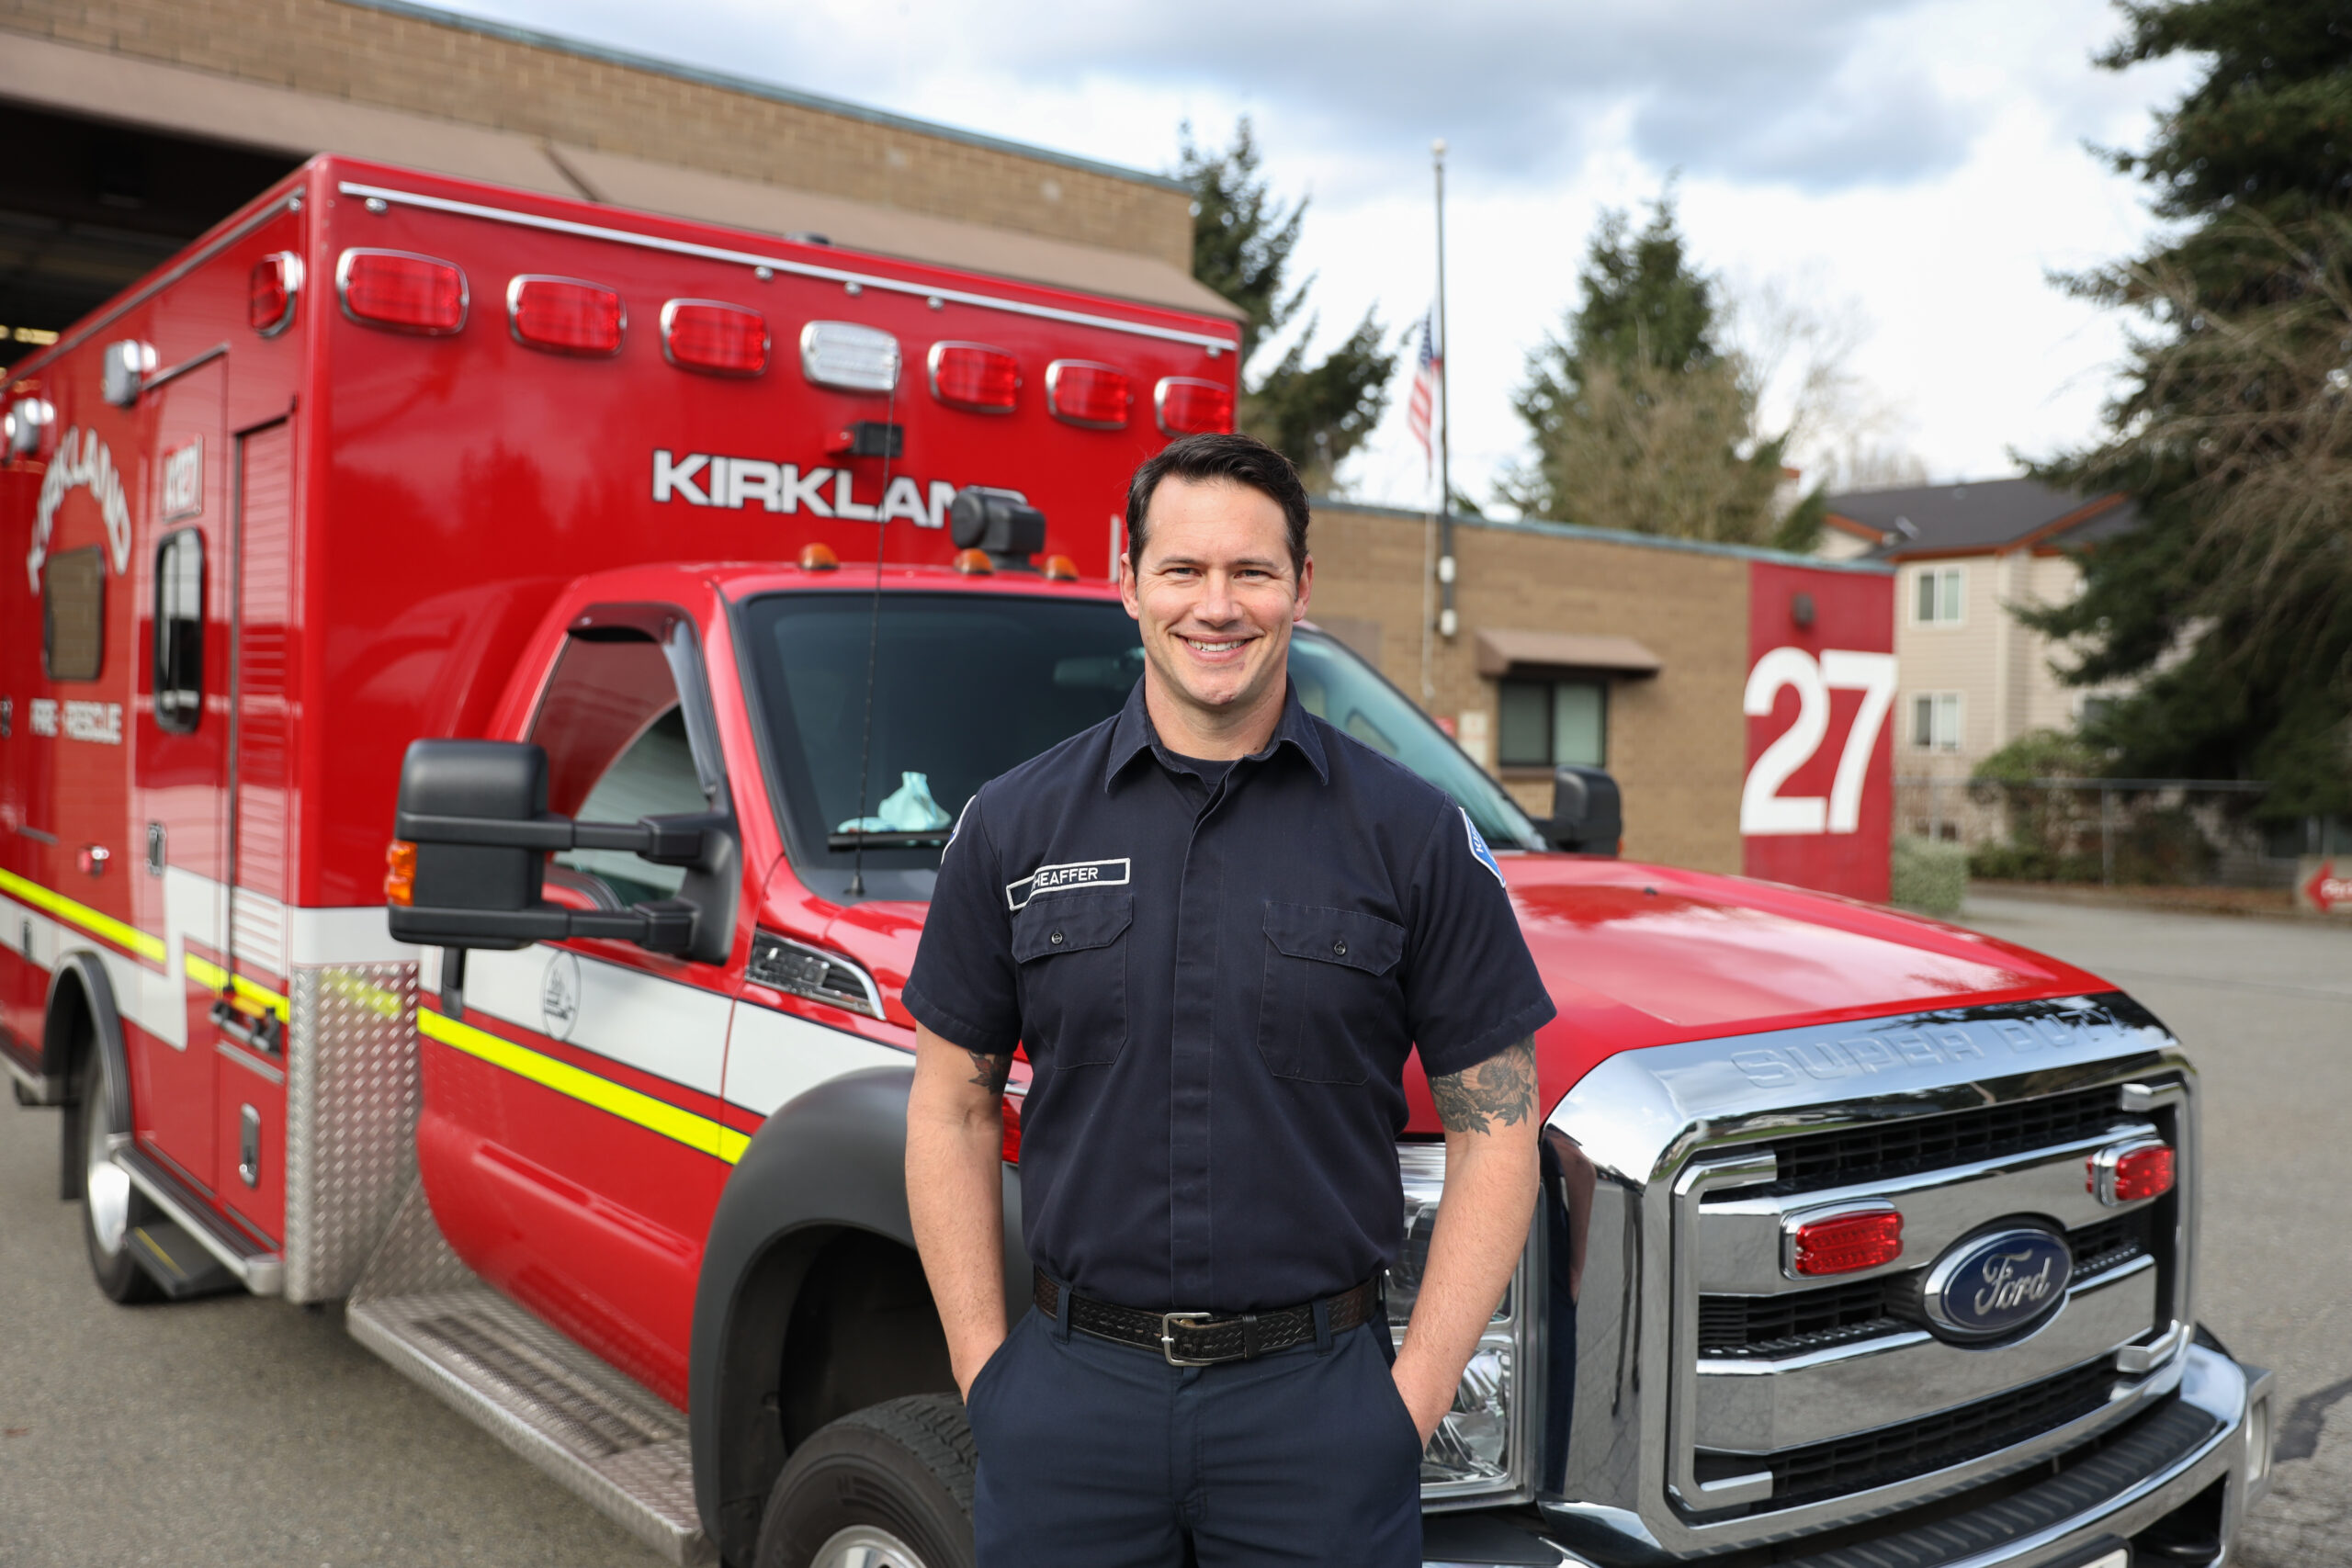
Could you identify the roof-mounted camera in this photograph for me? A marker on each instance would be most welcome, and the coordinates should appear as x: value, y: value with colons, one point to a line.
x: 999, y: 523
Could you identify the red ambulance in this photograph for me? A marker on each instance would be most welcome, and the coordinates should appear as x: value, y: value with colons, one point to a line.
x: 718, y: 570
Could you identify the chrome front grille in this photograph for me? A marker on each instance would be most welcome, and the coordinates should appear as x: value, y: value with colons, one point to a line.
x: 1885, y: 1153
x: 1698, y: 1399
x: 1833, y: 1314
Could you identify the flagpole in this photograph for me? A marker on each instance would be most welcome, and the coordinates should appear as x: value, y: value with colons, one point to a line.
x: 1446, y: 623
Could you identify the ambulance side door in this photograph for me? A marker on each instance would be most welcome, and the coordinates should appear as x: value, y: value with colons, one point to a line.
x: 605, y: 1168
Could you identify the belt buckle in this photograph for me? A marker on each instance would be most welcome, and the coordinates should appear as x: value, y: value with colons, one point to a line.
x: 1168, y: 1321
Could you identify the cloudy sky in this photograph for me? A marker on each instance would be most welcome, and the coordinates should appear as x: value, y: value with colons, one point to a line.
x: 1907, y: 172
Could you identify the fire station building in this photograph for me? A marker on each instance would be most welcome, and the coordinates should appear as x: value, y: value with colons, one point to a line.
x: 154, y: 118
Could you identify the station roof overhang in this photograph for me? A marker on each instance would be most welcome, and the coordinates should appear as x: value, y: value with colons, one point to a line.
x: 151, y: 95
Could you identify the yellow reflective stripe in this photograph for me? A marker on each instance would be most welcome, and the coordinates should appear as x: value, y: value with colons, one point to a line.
x: 123, y: 936
x: 655, y: 1115
x: 212, y: 978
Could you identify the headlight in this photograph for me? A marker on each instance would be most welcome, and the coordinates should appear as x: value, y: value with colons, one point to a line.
x: 1479, y: 1448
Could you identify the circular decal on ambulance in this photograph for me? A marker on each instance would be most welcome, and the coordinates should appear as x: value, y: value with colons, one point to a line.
x: 559, y: 996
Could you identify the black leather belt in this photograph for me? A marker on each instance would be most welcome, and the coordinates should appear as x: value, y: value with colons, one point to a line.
x: 1205, y: 1340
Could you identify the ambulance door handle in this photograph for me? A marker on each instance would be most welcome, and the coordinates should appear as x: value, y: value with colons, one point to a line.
x: 260, y: 1034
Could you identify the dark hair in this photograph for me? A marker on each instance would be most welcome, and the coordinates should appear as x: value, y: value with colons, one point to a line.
x: 1232, y: 459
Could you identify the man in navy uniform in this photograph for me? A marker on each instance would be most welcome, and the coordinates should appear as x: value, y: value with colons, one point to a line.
x: 1219, y: 925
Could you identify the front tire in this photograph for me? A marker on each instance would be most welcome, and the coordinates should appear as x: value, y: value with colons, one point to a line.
x: 888, y: 1486
x: 111, y: 1206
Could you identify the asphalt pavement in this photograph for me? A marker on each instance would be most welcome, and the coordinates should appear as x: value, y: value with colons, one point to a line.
x: 242, y: 1431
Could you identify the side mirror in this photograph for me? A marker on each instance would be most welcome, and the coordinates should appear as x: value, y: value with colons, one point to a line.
x: 473, y: 818
x: 1587, y: 818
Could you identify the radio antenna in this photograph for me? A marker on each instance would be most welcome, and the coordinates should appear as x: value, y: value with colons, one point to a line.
x: 874, y: 631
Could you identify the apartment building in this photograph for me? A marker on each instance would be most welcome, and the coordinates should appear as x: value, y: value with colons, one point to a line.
x: 1973, y: 677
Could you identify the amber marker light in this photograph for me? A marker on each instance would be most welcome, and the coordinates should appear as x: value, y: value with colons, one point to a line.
x: 974, y: 563
x: 819, y: 558
x: 1060, y: 568
x: 400, y: 874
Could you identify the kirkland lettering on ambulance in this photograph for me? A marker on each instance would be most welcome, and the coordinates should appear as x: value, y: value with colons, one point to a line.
x: 699, y: 479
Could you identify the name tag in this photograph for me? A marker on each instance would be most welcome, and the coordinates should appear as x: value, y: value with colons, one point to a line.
x: 1065, y: 878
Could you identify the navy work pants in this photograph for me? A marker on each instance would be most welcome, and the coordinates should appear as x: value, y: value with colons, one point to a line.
x: 1098, y: 1455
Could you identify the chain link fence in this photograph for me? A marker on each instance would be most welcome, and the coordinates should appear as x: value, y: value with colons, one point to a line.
x: 2137, y: 832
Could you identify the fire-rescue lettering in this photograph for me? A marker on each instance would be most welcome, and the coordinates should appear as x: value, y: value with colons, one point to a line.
x: 98, y: 722
x: 90, y: 467
x: 700, y: 478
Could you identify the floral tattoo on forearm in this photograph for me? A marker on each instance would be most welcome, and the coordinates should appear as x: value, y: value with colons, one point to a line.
x: 1497, y: 1092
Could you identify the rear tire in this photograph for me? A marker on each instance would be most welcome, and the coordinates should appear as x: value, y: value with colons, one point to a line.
x: 888, y: 1486
x: 110, y: 1204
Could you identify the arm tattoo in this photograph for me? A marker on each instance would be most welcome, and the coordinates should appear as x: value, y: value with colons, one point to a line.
x: 989, y: 1072
x: 1497, y: 1092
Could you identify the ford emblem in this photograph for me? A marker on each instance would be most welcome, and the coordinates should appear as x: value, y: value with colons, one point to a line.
x: 1998, y: 1282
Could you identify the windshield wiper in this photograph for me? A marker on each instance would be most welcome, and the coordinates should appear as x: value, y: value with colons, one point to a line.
x: 920, y: 838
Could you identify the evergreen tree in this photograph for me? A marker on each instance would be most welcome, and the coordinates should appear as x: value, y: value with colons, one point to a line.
x: 2233, y: 602
x: 1640, y: 418
x: 1315, y: 412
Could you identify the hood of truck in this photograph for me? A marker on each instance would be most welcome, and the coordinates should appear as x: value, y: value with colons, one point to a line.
x: 1636, y: 955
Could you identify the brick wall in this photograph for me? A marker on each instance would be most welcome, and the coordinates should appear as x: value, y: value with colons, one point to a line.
x: 418, y: 66
x: 1676, y: 739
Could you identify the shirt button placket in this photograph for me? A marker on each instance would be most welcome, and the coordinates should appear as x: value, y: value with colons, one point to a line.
x: 1192, y: 1061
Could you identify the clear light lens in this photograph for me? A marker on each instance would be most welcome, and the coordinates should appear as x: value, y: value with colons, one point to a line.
x: 1475, y: 1447
x: 846, y: 354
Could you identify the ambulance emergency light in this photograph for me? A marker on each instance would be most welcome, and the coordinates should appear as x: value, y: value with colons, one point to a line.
x: 1078, y: 391
x: 563, y: 315
x: 974, y: 376
x: 401, y: 291
x: 1189, y: 407
x: 714, y: 337
x: 849, y: 356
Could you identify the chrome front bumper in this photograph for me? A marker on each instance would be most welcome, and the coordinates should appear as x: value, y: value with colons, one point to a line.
x: 2237, y: 1451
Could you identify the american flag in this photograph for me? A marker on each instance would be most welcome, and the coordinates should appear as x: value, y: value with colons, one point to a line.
x: 1418, y: 408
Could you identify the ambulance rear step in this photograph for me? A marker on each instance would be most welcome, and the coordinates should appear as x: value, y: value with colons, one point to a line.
x: 249, y: 1262
x: 596, y: 1432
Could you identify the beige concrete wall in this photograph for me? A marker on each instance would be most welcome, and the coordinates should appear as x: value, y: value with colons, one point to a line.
x: 1676, y: 739
x: 417, y: 66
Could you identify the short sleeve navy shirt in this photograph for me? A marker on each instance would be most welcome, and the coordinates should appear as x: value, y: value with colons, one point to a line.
x: 1218, y: 980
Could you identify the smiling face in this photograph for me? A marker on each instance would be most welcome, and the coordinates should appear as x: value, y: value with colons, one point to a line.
x: 1216, y: 596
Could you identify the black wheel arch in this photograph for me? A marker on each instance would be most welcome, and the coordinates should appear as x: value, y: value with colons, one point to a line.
x: 830, y: 1163
x: 80, y: 1017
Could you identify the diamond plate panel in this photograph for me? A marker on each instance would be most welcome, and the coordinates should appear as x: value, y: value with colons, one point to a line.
x: 597, y: 1432
x: 351, y: 1104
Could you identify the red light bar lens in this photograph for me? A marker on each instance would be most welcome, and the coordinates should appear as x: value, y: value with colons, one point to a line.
x: 974, y: 376
x: 1192, y: 408
x: 1092, y: 395
x: 1844, y: 1243
x: 563, y: 315
x: 2132, y: 1173
x: 269, y: 294
x: 407, y: 293
x: 722, y: 340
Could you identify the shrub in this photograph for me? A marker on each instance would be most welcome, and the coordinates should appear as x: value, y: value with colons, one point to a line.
x: 1930, y: 875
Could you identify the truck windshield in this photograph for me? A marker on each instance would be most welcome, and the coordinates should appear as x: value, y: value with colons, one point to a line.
x: 968, y: 685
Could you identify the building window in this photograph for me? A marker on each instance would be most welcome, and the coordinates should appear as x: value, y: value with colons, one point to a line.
x: 73, y: 615
x: 1935, y: 721
x: 1545, y: 723
x: 179, y: 631
x: 1942, y: 596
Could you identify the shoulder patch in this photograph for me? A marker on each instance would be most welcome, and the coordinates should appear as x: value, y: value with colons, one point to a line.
x: 1478, y: 847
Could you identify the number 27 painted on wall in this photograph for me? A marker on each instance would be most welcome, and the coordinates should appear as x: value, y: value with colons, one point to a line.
x: 1763, y: 809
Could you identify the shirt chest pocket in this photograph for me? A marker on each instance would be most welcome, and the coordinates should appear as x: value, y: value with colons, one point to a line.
x: 1072, y: 950
x: 1331, y: 998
